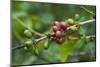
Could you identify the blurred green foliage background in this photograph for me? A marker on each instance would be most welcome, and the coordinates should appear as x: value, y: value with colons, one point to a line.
x: 40, y: 17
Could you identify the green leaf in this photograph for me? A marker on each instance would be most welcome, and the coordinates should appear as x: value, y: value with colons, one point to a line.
x: 66, y: 49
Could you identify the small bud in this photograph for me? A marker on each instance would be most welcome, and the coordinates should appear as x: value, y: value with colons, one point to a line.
x: 77, y: 16
x: 25, y: 48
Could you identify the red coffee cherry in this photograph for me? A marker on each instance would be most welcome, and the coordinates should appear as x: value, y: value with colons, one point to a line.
x: 58, y: 34
x: 63, y: 26
x: 59, y: 40
x: 56, y: 23
x: 55, y: 29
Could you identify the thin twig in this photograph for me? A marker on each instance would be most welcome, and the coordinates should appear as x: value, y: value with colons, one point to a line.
x: 21, y: 22
x: 82, y: 23
x: 42, y: 38
x: 18, y: 47
x: 83, y: 37
x: 87, y: 10
x: 89, y: 21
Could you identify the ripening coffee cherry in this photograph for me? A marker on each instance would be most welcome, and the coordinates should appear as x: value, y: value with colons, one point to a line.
x: 59, y: 40
x: 63, y: 26
x: 77, y: 16
x: 58, y: 34
x: 28, y: 33
x: 56, y: 23
x: 28, y: 42
x: 74, y: 29
x: 55, y: 29
x: 71, y: 21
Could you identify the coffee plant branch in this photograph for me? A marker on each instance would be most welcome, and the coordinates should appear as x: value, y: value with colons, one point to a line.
x: 69, y: 38
x: 46, y: 37
x: 81, y: 23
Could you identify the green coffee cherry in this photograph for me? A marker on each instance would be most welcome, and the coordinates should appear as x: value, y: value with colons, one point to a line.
x: 77, y: 16
x: 25, y: 48
x: 46, y: 45
x: 28, y: 42
x: 71, y: 21
x: 28, y: 33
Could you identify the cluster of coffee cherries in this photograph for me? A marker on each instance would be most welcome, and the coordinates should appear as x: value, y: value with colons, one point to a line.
x: 59, y: 29
x: 29, y: 42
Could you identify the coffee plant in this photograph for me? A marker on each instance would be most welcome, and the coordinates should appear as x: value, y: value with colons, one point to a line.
x: 39, y: 38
